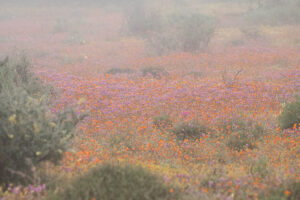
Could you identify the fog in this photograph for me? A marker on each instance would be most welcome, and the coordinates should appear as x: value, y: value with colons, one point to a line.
x: 202, y: 94
x: 113, y: 33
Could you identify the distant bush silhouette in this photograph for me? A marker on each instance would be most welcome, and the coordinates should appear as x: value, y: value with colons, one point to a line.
x: 114, y: 71
x: 277, y: 14
x: 183, y: 32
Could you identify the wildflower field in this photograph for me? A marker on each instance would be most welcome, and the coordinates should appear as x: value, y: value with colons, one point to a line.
x: 210, y: 124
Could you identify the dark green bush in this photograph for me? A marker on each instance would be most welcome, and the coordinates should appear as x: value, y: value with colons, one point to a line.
x: 290, y: 115
x: 29, y: 134
x: 110, y: 182
x: 114, y: 71
x: 190, y: 130
x: 156, y: 72
x: 162, y: 122
x: 241, y: 134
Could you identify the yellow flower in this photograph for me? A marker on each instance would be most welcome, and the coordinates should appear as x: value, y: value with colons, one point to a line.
x: 38, y: 153
x: 12, y: 119
x: 52, y: 124
x: 81, y: 100
x: 11, y: 136
x: 35, y: 127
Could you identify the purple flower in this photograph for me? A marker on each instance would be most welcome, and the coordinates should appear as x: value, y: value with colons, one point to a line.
x: 184, y: 113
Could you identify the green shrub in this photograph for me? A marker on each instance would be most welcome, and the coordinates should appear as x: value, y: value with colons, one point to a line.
x: 241, y: 134
x: 240, y: 142
x: 156, y: 72
x: 114, y: 71
x: 29, y: 134
x: 109, y: 182
x: 190, y: 130
x: 290, y: 115
x: 162, y: 122
x: 285, y: 191
x: 242, y: 125
x: 259, y: 168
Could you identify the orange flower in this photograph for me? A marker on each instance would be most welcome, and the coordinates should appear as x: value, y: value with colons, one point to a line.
x: 287, y: 192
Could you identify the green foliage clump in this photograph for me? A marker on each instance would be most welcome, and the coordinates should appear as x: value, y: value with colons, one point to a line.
x: 259, y: 168
x: 290, y: 115
x: 241, y: 134
x: 114, y: 71
x: 190, y: 130
x: 285, y: 191
x: 110, y: 182
x: 162, y: 122
x: 29, y: 133
x: 156, y: 72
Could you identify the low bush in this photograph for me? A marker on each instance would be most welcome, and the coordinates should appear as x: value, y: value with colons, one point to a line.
x: 162, y: 122
x: 196, y: 74
x: 241, y: 134
x: 156, y: 72
x: 114, y: 71
x: 286, y: 191
x: 259, y: 167
x: 29, y: 133
x: 290, y: 116
x: 110, y: 182
x: 190, y: 130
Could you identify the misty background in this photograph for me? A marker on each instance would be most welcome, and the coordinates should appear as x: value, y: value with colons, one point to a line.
x: 118, y: 33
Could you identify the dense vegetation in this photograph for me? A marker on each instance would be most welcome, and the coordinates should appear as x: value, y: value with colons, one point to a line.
x: 30, y: 133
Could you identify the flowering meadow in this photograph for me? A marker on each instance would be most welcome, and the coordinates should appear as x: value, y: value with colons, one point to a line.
x: 233, y: 94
